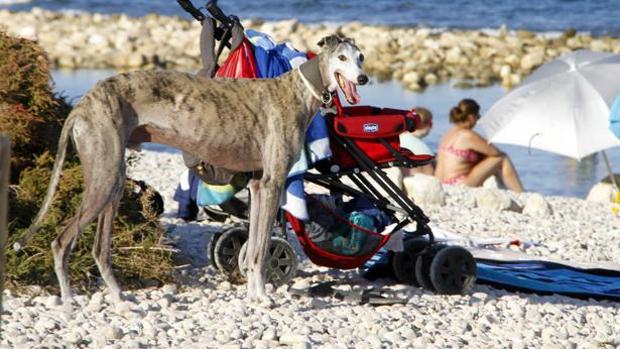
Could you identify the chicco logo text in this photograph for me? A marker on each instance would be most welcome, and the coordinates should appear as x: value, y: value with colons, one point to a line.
x: 371, y: 128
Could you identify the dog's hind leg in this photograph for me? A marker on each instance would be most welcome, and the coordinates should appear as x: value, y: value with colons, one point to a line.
x: 61, y: 248
x: 102, y: 158
x: 97, y: 196
x: 103, y: 245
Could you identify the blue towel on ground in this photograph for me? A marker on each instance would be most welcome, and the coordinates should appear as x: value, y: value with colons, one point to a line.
x: 548, y: 277
x: 528, y: 276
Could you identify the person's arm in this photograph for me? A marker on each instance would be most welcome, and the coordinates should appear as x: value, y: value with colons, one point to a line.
x: 427, y: 169
x: 475, y: 142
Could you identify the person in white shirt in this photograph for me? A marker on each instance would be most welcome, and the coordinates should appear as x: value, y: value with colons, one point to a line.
x: 413, y: 142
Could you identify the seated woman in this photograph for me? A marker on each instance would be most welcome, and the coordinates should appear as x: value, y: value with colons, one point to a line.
x: 466, y: 158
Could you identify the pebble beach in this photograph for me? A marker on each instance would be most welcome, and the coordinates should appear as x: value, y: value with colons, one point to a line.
x: 203, y: 310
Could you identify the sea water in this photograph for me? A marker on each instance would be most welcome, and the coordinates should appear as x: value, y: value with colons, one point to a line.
x: 596, y: 16
x: 542, y: 172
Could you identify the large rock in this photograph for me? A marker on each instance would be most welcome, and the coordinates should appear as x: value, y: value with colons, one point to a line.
x: 411, y: 77
x: 603, y: 191
x: 454, y: 55
x: 495, y: 200
x: 492, y: 183
x: 532, y: 60
x: 536, y: 205
x: 425, y: 190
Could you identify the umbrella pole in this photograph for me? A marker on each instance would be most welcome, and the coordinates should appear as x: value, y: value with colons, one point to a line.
x: 611, y: 173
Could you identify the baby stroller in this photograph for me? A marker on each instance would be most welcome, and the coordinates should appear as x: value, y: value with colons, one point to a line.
x: 344, y: 229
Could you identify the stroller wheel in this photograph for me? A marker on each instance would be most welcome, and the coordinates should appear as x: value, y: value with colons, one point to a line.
x: 453, y: 271
x: 422, y: 271
x: 226, y: 252
x: 403, y: 263
x: 423, y: 267
x: 281, y: 261
x: 211, y: 248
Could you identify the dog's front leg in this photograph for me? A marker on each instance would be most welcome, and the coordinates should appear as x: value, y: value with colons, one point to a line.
x: 254, y: 186
x: 265, y: 198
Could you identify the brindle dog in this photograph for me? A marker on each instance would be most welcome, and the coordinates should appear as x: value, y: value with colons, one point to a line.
x: 239, y: 125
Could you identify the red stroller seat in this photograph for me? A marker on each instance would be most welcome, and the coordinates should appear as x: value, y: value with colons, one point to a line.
x: 376, y: 132
x: 323, y: 257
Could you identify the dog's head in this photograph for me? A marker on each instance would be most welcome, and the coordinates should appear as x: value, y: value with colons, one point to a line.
x: 344, y: 66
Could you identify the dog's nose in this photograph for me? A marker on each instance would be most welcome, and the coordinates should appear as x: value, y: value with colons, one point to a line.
x: 362, y: 80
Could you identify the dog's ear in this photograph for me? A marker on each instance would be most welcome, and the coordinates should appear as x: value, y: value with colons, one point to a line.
x: 349, y: 40
x: 329, y: 42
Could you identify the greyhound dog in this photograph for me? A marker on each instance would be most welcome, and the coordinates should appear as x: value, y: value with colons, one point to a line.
x: 239, y: 125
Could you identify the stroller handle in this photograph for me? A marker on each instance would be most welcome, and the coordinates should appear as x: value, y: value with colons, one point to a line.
x: 189, y: 7
x: 200, y: 17
x: 218, y: 14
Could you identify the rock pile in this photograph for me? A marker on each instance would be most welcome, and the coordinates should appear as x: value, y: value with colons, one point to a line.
x: 415, y: 56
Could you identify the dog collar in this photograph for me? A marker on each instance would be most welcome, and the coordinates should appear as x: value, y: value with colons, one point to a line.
x: 311, y: 76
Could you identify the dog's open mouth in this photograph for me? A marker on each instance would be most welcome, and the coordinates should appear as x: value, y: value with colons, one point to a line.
x: 348, y: 88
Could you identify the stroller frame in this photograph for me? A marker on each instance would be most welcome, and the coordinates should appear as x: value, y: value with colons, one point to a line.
x: 422, y: 260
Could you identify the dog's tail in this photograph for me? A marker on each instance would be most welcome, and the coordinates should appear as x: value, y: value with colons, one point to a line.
x: 51, y: 189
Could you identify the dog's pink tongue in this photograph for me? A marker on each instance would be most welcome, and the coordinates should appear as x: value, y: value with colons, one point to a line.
x: 350, y: 90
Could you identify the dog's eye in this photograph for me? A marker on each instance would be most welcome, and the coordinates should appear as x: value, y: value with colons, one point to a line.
x: 342, y: 58
x: 361, y: 58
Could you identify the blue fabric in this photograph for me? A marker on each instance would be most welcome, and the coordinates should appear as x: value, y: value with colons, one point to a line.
x: 549, y: 277
x: 270, y: 63
x: 614, y: 117
x: 209, y: 194
x: 365, y: 206
x: 260, y: 39
x: 293, y: 57
x: 378, y: 266
x: 316, y: 148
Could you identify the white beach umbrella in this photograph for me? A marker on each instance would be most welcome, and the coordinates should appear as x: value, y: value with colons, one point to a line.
x: 563, y: 107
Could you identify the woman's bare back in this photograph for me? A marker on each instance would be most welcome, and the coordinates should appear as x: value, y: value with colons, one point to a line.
x: 455, y: 157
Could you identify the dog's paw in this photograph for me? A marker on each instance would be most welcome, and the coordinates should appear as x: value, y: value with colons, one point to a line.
x: 266, y: 303
x: 68, y: 302
x: 67, y: 310
x: 262, y: 302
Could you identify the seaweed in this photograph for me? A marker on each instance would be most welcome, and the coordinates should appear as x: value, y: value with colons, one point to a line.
x: 32, y: 115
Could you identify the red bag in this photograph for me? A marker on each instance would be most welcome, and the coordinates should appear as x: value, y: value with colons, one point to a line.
x: 240, y: 63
